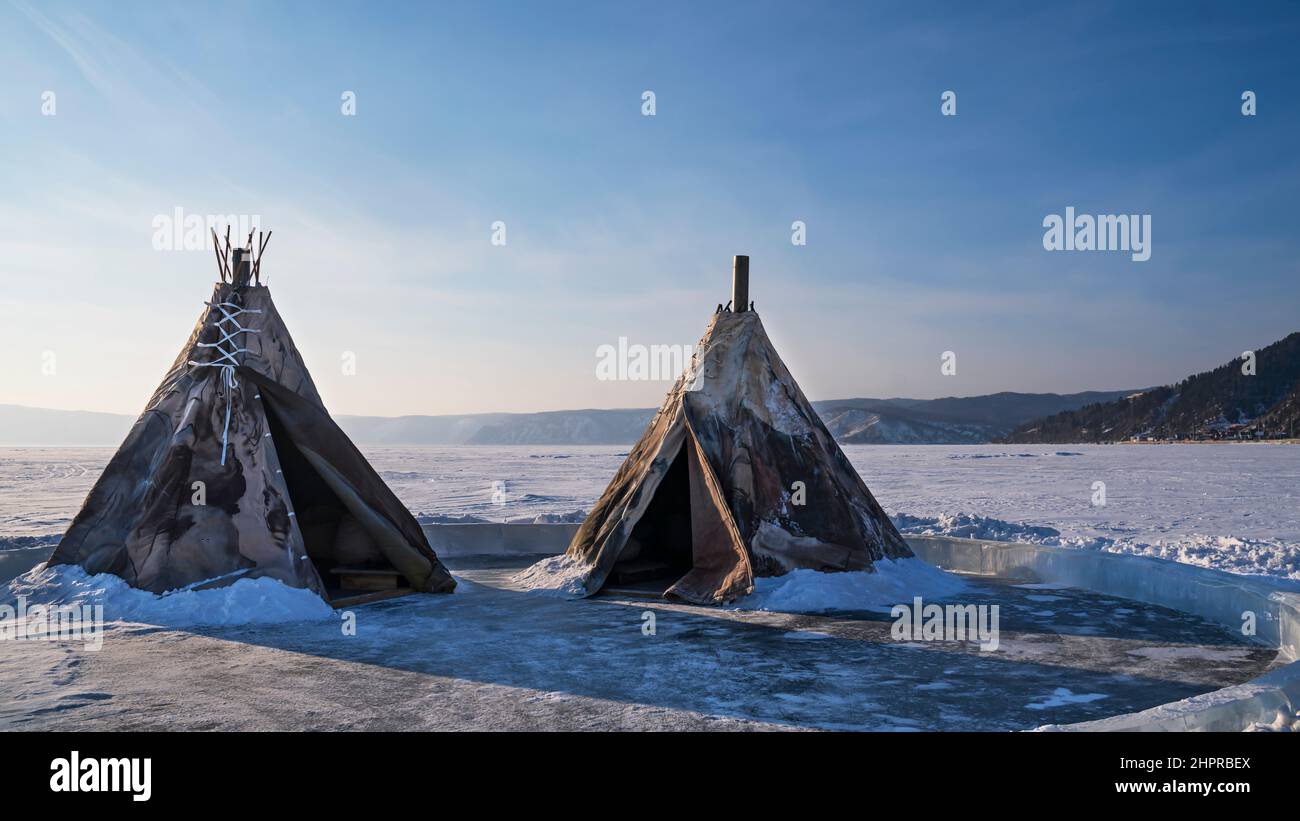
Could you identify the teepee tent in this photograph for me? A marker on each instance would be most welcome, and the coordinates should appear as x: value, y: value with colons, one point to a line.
x: 735, y: 477
x: 236, y: 470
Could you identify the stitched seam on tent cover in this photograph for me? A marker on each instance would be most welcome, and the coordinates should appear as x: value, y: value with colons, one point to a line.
x: 226, y: 362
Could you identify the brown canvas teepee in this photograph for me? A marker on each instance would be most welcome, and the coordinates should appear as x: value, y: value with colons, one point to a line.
x: 236, y: 470
x: 735, y: 477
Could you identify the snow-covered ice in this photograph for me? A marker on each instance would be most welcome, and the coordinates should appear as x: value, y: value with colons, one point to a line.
x: 1230, y: 507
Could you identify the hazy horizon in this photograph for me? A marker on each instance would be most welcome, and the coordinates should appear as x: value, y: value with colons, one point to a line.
x: 924, y: 232
x: 651, y: 407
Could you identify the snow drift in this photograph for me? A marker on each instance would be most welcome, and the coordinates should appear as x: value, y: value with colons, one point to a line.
x: 246, y: 601
x: 892, y: 582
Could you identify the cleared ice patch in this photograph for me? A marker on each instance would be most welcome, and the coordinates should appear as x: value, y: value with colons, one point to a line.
x: 1063, y: 696
x: 555, y: 575
x: 892, y: 583
x: 246, y: 601
x: 464, y: 586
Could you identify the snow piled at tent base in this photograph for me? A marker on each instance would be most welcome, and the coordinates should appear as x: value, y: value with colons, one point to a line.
x: 245, y: 601
x: 891, y: 582
x: 560, y: 576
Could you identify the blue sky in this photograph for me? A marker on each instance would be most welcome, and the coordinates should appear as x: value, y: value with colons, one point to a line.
x: 924, y: 231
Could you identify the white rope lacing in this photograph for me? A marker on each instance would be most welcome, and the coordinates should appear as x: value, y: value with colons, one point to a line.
x: 226, y: 362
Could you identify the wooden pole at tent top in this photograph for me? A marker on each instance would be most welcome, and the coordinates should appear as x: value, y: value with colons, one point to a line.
x: 740, y: 283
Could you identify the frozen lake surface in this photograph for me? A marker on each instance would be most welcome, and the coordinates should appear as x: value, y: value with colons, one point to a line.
x: 1232, y: 507
x: 493, y: 656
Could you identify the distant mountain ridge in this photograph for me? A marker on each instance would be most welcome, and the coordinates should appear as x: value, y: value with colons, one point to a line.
x: 576, y: 427
x: 1220, y: 403
x: 1201, y: 406
x: 21, y: 426
x: 951, y: 420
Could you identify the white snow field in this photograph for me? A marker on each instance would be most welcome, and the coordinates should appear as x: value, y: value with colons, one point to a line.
x: 1231, y: 507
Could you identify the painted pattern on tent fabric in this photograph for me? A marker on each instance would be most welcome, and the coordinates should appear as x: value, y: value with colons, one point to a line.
x: 140, y: 520
x: 750, y: 423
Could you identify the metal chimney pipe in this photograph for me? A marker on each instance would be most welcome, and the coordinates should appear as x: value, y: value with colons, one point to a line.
x: 241, y: 265
x: 739, y: 283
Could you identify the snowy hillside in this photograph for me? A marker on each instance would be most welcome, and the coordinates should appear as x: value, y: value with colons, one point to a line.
x: 1257, y: 396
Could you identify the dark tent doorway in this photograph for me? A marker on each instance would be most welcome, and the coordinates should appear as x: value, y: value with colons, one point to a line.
x: 684, y: 543
x: 660, y: 549
x: 351, y: 566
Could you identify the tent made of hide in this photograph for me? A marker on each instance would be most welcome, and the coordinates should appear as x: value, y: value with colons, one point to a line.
x: 235, y: 470
x: 735, y: 477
